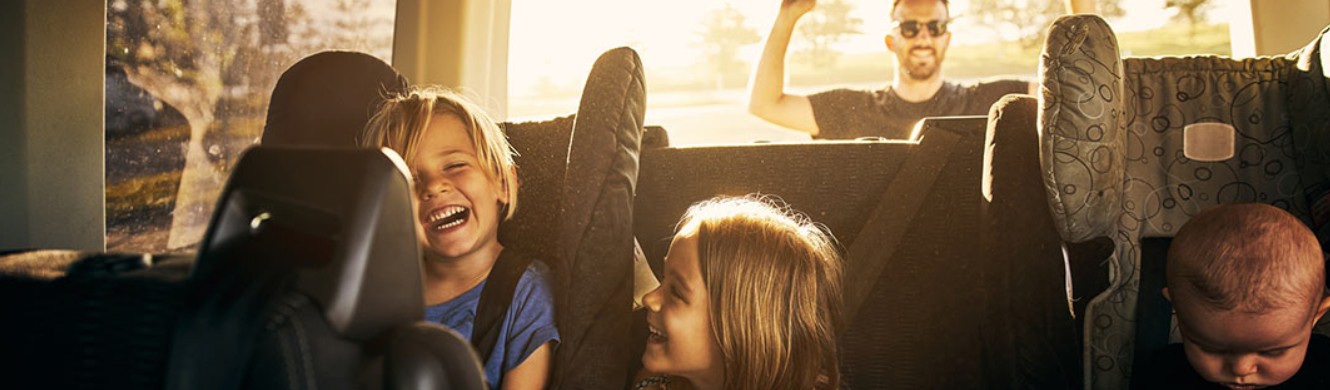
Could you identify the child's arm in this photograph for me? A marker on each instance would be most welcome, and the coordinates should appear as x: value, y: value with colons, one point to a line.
x: 533, y: 373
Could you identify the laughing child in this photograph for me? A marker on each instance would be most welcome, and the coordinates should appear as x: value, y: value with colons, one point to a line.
x: 466, y: 184
x: 751, y: 299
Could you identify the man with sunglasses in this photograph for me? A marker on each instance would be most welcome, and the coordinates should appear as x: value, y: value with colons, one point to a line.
x: 919, y: 38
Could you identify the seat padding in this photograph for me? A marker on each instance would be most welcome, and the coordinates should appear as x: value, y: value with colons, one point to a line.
x: 1029, y: 319
x: 1083, y: 125
x: 596, y: 234
x: 578, y: 178
x: 800, y: 174
x: 541, y: 160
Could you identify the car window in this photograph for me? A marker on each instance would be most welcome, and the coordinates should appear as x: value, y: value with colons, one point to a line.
x: 187, y: 87
x: 699, y: 54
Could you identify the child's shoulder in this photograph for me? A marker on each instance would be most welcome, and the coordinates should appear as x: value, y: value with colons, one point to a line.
x: 538, y: 271
x: 534, y: 292
x: 536, y: 279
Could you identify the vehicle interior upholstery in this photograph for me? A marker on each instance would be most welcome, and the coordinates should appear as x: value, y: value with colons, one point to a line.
x: 1019, y: 249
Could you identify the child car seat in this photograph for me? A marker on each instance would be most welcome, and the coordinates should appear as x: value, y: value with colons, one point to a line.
x: 1115, y: 163
x: 579, y: 179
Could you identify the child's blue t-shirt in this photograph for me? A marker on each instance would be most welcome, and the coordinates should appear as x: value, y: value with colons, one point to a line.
x: 528, y: 324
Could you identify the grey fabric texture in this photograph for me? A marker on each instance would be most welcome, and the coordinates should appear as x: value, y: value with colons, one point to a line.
x: 1082, y: 128
x: 1113, y: 160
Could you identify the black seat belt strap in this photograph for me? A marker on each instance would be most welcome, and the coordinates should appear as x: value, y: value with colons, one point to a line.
x: 495, y: 299
x: 881, y: 236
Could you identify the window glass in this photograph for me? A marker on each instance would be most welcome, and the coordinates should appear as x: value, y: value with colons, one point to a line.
x: 698, y: 54
x: 187, y: 85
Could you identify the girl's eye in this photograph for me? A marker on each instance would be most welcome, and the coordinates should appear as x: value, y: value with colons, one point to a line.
x: 453, y: 166
x: 1274, y: 352
x: 677, y: 294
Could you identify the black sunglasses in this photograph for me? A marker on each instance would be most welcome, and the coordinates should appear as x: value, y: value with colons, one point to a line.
x: 911, y: 28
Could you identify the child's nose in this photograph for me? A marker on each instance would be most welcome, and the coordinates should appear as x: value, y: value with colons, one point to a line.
x: 436, y: 187
x: 1243, y: 365
x: 652, y: 299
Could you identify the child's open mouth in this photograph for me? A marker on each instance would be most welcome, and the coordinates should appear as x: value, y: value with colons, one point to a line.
x: 447, y: 218
x: 655, y: 335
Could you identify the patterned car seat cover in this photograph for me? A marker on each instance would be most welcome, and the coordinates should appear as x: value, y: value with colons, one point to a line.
x: 1111, y: 151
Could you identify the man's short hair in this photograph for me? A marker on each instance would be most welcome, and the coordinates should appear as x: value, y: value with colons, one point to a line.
x: 896, y: 4
x: 1251, y: 257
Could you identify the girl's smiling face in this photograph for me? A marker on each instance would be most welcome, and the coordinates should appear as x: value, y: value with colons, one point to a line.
x: 459, y: 201
x: 681, y: 340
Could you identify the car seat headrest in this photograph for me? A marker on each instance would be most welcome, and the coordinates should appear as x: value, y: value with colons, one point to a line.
x: 348, y: 239
x: 1082, y: 126
x: 327, y: 98
x: 1309, y: 98
x: 541, y: 158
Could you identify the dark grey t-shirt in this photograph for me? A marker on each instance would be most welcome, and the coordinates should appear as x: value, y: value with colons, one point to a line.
x: 848, y: 113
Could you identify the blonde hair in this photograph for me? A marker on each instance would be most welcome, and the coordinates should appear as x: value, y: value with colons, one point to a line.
x: 1251, y: 257
x: 401, y: 121
x: 775, y: 284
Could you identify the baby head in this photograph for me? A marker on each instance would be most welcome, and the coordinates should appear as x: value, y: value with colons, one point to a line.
x: 750, y: 299
x: 462, y: 165
x: 1248, y: 283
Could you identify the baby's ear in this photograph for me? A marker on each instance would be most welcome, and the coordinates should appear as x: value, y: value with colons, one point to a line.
x: 1167, y: 297
x: 1321, y: 309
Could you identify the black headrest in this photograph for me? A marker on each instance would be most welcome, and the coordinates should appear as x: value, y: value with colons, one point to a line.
x: 334, y: 226
x: 327, y: 98
x: 350, y: 236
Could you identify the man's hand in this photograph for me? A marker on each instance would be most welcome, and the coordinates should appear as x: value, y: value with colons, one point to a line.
x: 766, y: 93
x: 797, y: 8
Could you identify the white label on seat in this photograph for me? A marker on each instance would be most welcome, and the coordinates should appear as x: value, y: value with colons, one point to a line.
x: 1208, y: 141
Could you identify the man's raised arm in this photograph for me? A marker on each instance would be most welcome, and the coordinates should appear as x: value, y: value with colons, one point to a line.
x: 766, y: 93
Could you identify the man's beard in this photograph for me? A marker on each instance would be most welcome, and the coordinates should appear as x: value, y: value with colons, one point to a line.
x: 921, y: 71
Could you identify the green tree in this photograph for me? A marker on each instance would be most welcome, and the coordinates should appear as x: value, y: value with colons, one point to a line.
x: 1029, y: 18
x: 197, y: 56
x: 724, y: 32
x: 821, y: 28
